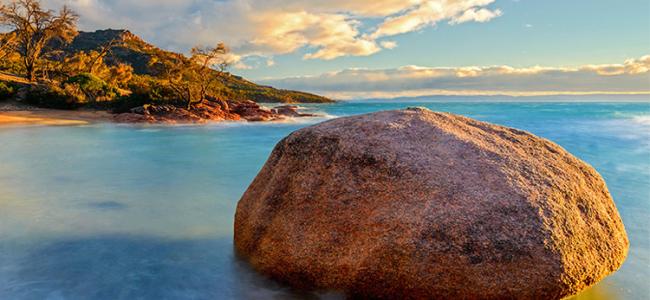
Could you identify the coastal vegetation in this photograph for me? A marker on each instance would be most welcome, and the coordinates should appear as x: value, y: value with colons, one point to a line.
x: 61, y: 67
x: 6, y: 91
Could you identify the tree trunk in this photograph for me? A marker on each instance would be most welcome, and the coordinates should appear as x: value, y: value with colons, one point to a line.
x: 189, y: 98
x: 31, y: 73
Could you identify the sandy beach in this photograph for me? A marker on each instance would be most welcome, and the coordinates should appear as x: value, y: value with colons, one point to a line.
x: 52, y: 117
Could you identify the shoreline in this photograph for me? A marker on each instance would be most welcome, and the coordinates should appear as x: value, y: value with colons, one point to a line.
x: 14, y: 113
x: 52, y: 117
x: 19, y: 115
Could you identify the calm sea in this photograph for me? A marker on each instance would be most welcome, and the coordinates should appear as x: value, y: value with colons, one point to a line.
x: 131, y: 212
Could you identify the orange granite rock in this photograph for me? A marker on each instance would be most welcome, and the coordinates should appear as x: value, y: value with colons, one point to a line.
x: 414, y: 204
x: 207, y: 111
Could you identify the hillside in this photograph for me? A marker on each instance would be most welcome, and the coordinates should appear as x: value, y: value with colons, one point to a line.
x: 132, y: 50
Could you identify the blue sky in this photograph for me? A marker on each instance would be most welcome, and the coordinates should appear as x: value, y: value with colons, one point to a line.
x: 561, y: 33
x: 433, y: 46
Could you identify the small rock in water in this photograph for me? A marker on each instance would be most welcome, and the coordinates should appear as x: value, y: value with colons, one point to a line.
x: 422, y: 205
x: 291, y: 111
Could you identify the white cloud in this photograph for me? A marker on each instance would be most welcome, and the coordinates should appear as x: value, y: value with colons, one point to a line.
x: 477, y: 15
x: 361, y: 8
x: 429, y: 13
x: 388, y: 44
x: 326, y: 29
x: 632, y: 76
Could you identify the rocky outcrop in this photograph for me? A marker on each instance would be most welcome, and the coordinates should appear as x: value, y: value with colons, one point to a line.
x: 209, y: 111
x: 204, y: 112
x: 290, y: 111
x: 251, y: 111
x: 415, y: 204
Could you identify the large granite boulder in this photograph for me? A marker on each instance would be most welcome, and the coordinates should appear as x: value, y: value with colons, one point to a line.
x: 414, y: 204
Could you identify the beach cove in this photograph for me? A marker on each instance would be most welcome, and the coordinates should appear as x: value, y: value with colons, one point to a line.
x: 99, y: 210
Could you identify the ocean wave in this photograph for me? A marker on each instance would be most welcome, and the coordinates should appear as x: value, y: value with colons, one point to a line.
x: 321, y: 117
x: 643, y: 120
x: 633, y: 127
x: 636, y: 117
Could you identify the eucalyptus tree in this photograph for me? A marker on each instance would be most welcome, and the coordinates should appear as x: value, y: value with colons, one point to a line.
x: 206, y: 61
x: 34, y: 28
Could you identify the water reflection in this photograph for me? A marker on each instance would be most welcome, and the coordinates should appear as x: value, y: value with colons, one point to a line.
x: 598, y: 292
x: 134, y: 267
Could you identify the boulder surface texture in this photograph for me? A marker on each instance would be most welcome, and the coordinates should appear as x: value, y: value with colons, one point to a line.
x: 414, y: 204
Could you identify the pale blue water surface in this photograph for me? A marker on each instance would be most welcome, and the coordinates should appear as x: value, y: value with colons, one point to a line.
x: 146, y: 212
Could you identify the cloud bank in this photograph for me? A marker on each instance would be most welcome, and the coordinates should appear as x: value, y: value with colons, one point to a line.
x: 323, y: 29
x: 630, y: 77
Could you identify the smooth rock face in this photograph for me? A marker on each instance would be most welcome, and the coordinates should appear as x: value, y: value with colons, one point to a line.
x: 414, y: 204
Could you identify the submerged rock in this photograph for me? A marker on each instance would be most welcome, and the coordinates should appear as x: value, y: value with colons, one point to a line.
x: 421, y: 205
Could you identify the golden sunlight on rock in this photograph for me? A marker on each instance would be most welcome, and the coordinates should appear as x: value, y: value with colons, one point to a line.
x: 413, y: 204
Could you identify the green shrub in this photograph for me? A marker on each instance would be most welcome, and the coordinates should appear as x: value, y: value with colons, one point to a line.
x: 12, y: 66
x: 126, y: 103
x: 6, y: 91
x: 68, y: 97
x: 92, y: 86
x: 145, y: 90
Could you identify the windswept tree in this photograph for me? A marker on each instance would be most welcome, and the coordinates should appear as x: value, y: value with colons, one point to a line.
x: 177, y: 75
x: 206, y: 60
x: 34, y: 27
x: 218, y: 58
x: 193, y: 79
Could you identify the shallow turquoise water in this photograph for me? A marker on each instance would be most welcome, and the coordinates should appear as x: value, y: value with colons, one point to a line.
x: 124, y: 212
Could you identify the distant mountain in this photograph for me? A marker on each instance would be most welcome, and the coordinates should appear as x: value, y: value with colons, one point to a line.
x: 130, y: 49
x: 508, y: 98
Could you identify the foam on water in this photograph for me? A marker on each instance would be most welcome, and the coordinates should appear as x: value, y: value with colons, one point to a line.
x: 643, y: 120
